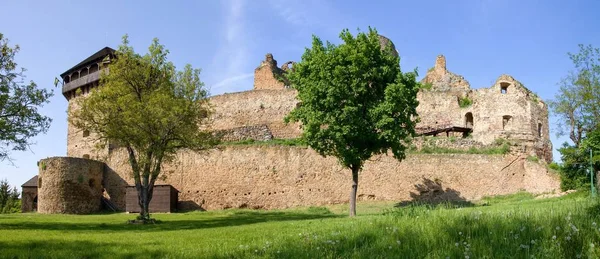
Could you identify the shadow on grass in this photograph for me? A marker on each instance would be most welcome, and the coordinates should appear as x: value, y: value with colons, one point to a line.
x: 75, y: 249
x: 432, y: 194
x: 237, y: 218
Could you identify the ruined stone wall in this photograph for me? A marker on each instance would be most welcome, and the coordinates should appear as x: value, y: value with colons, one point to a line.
x: 267, y: 75
x: 69, y: 185
x: 259, y: 133
x: 280, y: 177
x: 439, y: 109
x: 253, y: 108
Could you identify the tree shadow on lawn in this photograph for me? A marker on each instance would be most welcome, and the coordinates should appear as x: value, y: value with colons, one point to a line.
x: 431, y: 193
x: 237, y: 218
x: 75, y: 249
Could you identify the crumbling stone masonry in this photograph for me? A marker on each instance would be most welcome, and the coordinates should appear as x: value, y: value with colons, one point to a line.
x: 453, y: 114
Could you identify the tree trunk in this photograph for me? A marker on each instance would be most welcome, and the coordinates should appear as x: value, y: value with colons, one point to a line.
x: 353, y: 190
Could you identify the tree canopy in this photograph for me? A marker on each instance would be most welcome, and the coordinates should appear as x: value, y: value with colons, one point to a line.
x: 20, y: 118
x: 148, y: 107
x: 354, y: 101
x: 577, y: 103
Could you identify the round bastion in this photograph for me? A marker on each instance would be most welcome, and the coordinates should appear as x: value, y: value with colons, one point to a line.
x: 69, y: 185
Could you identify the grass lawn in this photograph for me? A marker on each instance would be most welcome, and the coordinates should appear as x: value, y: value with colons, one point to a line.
x: 515, y: 226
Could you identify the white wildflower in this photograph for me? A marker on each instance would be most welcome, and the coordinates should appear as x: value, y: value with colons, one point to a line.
x: 557, y: 228
x: 568, y: 238
x: 455, y: 244
x: 554, y: 237
x: 389, y: 247
x: 460, y: 233
x: 398, y: 242
x: 594, y: 224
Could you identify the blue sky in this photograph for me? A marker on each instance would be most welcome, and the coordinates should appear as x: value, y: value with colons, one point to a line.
x: 528, y: 39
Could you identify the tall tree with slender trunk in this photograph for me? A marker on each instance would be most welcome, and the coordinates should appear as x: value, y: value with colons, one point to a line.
x: 146, y: 106
x: 354, y: 101
x: 20, y: 118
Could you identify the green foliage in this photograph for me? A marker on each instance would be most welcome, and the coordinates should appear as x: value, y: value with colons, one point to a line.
x: 425, y: 86
x: 9, y: 198
x: 574, y: 168
x: 464, y: 102
x: 577, y: 104
x: 355, y: 101
x: 20, y: 103
x: 534, y: 159
x: 500, y: 147
x: 148, y: 107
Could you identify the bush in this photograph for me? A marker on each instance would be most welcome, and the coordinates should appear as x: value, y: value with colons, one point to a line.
x: 464, y: 102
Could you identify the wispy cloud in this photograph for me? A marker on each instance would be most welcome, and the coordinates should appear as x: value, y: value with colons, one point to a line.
x: 230, y: 80
x: 233, y: 55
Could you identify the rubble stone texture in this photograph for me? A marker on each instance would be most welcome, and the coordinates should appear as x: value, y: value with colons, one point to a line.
x: 69, y: 185
x: 282, y: 176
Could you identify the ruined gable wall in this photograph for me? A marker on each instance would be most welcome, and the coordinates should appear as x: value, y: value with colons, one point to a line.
x: 280, y: 177
x: 264, y: 74
x: 438, y: 109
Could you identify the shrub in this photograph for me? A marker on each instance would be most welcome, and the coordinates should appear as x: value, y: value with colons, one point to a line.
x: 464, y: 102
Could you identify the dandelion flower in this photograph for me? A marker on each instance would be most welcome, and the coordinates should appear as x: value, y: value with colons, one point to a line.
x: 553, y: 237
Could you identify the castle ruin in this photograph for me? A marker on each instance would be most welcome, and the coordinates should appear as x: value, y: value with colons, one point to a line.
x: 452, y: 115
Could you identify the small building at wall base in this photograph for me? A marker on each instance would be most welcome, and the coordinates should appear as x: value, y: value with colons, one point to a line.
x: 451, y: 116
x: 29, y: 196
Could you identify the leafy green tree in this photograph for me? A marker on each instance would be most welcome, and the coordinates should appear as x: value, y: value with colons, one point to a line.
x: 9, y: 198
x: 354, y: 101
x: 577, y: 103
x: 20, y: 119
x: 148, y: 107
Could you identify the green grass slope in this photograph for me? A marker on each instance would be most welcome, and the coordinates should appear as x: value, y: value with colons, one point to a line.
x: 516, y: 226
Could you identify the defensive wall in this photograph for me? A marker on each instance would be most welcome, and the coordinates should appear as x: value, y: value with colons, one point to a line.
x: 256, y: 176
x: 451, y: 114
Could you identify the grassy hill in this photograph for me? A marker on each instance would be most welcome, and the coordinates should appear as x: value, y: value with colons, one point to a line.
x: 515, y: 226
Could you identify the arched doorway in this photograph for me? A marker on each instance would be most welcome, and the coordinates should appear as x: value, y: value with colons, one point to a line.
x: 469, y: 120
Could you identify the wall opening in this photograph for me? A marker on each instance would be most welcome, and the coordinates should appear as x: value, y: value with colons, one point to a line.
x: 469, y: 120
x: 539, y: 129
x: 39, y: 182
x: 86, y: 133
x: 91, y: 183
x: 506, y: 119
x: 86, y: 156
x: 93, y: 68
x: 504, y: 88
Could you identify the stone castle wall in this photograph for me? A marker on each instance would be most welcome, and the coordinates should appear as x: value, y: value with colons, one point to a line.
x: 256, y: 108
x: 281, y: 176
x: 69, y: 185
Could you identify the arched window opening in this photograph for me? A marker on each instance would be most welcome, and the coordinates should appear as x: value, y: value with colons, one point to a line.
x: 539, y: 129
x: 84, y: 72
x: 506, y: 121
x: 504, y: 87
x: 93, y: 68
x: 469, y: 120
